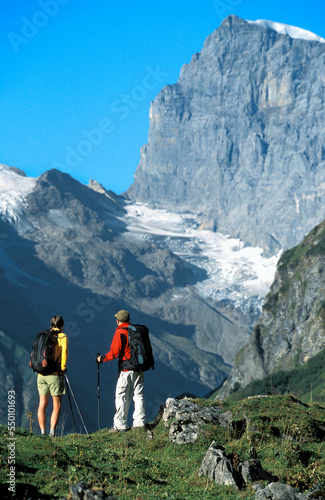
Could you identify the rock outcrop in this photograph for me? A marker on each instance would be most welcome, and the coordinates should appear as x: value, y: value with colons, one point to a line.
x: 82, y: 491
x: 240, y: 139
x: 218, y: 467
x: 185, y: 420
x: 279, y: 491
x: 291, y: 328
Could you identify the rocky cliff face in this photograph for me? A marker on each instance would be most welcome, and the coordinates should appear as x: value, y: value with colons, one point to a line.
x: 291, y: 328
x: 240, y: 138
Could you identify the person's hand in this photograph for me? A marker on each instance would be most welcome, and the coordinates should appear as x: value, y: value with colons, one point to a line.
x: 99, y: 359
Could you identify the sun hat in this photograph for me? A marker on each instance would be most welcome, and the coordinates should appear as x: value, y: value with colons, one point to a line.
x: 122, y: 315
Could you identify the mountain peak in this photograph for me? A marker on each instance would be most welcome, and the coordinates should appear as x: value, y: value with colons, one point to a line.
x: 286, y: 29
x: 240, y: 132
x: 16, y: 170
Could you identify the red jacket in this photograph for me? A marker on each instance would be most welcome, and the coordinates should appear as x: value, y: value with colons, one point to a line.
x: 120, y: 347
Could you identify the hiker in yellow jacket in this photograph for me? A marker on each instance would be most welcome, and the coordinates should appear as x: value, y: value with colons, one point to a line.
x: 53, y: 384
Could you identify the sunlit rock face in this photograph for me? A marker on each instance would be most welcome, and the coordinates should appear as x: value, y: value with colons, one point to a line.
x: 239, y: 138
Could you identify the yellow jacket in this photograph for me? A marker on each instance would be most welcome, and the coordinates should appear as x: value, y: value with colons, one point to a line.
x: 61, y: 350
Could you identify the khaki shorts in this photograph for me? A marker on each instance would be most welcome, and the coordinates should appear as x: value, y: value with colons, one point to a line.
x: 51, y: 384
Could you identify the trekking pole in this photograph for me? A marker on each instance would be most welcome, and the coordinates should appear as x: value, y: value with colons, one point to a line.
x: 74, y: 399
x: 74, y: 422
x: 98, y: 391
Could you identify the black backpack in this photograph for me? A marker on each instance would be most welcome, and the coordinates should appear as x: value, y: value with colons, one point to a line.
x: 141, y: 357
x: 42, y: 355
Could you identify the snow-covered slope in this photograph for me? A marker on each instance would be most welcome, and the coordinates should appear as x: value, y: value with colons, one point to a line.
x: 286, y: 29
x: 235, y: 272
x: 13, y: 191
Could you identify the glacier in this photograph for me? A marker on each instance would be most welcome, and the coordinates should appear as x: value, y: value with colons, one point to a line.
x: 236, y: 272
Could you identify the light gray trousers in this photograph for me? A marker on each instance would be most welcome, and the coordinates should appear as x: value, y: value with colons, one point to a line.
x: 129, y: 386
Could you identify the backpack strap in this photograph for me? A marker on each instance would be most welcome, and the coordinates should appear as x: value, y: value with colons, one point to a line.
x: 123, y: 362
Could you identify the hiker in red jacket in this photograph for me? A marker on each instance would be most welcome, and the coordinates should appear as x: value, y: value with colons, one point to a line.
x: 130, y: 383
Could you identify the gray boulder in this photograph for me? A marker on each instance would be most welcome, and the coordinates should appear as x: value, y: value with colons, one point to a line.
x: 218, y: 467
x: 278, y: 491
x: 185, y: 419
x: 81, y: 491
x: 251, y: 470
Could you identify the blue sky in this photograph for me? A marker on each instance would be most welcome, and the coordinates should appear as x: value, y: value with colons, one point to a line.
x: 78, y: 76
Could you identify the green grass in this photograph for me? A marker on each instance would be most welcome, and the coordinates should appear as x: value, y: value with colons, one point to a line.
x: 288, y: 439
x: 307, y: 382
x: 312, y: 245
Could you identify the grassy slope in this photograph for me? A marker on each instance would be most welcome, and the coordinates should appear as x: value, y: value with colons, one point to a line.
x: 287, y: 437
x: 307, y: 382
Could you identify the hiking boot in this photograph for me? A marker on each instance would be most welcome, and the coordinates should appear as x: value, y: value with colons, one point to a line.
x: 114, y: 430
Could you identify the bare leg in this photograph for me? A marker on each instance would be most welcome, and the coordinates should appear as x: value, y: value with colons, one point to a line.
x: 57, y: 400
x: 41, y: 412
